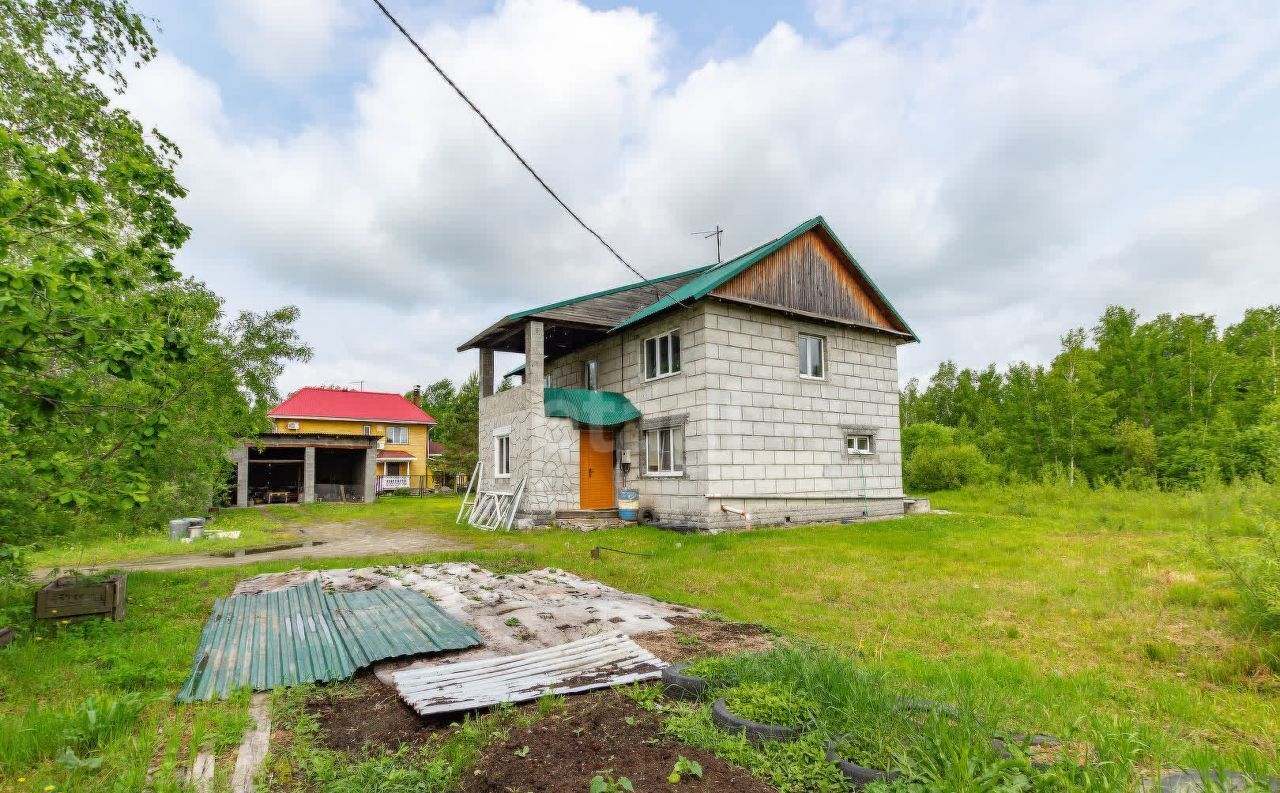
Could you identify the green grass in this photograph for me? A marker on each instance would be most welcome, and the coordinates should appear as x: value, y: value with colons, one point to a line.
x: 1055, y: 610
x: 255, y: 526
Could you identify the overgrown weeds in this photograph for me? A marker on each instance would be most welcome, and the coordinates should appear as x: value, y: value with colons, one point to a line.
x: 877, y: 722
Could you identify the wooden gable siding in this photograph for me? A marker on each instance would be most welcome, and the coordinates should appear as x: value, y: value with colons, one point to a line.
x: 609, y: 310
x: 809, y: 276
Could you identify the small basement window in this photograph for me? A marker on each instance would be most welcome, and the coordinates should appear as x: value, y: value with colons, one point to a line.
x: 502, y: 456
x: 811, y: 357
x: 662, y: 355
x: 859, y: 443
x: 664, y: 451
x: 589, y: 380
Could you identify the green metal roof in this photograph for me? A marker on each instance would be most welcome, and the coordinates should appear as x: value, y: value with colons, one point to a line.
x: 602, y: 293
x: 303, y: 635
x: 597, y: 408
x: 518, y: 370
x: 713, y: 277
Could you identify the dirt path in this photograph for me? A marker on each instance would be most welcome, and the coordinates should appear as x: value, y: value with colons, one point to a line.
x: 317, y: 541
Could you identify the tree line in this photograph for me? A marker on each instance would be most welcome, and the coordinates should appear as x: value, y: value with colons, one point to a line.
x: 122, y: 383
x: 1172, y: 401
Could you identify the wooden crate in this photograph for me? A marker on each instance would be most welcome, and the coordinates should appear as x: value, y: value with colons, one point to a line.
x: 78, y: 597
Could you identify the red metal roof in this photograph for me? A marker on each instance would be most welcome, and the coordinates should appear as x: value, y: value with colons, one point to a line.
x: 434, y: 449
x: 331, y: 403
x: 395, y: 454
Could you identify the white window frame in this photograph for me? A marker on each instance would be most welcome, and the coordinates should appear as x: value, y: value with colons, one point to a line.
x: 546, y: 381
x: 395, y: 432
x: 853, y: 440
x: 658, y: 341
x: 368, y: 429
x: 801, y: 343
x: 676, y: 466
x: 591, y: 375
x: 502, y: 453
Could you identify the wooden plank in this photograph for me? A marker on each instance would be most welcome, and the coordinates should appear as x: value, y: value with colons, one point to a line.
x: 809, y: 276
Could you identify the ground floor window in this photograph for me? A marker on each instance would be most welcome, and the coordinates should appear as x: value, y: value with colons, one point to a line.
x: 502, y: 455
x: 859, y: 443
x: 664, y: 451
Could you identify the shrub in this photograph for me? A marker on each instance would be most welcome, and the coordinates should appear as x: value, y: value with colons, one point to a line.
x: 946, y: 467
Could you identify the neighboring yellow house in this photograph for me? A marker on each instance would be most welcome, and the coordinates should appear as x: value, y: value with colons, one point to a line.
x: 406, y: 449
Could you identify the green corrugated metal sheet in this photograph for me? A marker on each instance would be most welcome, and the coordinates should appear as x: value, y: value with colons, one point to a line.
x: 603, y: 292
x: 702, y: 286
x: 597, y: 408
x: 303, y: 635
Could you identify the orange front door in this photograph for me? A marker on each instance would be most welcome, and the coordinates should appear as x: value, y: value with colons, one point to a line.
x: 595, y: 462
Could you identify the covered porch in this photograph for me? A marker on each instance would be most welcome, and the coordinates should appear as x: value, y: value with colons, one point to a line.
x: 280, y: 468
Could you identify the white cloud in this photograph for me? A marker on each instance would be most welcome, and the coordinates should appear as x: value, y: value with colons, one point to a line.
x: 1003, y: 171
x: 283, y: 40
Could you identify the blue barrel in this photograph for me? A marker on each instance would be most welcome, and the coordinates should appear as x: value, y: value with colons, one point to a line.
x: 628, y: 504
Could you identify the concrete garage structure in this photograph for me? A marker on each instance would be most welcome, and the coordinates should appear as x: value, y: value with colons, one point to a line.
x: 277, y: 468
x: 759, y: 390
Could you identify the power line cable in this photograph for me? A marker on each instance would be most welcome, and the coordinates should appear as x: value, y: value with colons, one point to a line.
x: 421, y: 51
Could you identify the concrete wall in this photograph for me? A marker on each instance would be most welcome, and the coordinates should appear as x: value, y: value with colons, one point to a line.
x: 757, y: 435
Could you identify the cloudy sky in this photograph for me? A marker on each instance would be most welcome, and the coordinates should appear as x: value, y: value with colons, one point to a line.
x: 1003, y: 170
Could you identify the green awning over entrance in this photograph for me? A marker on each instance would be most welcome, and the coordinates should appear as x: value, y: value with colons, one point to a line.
x: 597, y: 408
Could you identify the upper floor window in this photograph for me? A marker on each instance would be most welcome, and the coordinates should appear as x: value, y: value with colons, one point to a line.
x: 368, y: 430
x: 397, y: 435
x: 812, y: 361
x: 589, y: 376
x: 662, y: 355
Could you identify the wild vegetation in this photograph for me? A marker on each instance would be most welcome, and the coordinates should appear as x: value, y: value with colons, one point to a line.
x: 457, y: 415
x: 122, y: 384
x: 1172, y: 401
x: 1099, y: 616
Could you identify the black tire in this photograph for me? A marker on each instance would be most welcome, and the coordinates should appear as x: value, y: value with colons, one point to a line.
x: 682, y: 686
x: 1194, y: 783
x: 755, y: 731
x: 928, y: 706
x: 1000, y: 743
x: 857, y: 774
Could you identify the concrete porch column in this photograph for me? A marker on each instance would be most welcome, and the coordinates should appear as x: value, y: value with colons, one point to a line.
x: 370, y: 475
x: 308, y: 474
x: 240, y: 456
x: 486, y: 372
x: 534, y: 354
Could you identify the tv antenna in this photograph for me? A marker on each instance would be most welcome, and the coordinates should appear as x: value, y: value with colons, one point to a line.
x: 357, y: 382
x: 706, y: 235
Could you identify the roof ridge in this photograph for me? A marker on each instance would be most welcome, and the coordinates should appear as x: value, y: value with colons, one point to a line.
x: 350, y: 391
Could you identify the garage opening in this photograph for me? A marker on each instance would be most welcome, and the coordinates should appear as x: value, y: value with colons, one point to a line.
x: 275, y: 475
x: 340, y: 474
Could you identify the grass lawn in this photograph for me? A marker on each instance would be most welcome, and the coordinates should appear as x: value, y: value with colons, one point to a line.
x: 1044, y: 609
x: 256, y: 527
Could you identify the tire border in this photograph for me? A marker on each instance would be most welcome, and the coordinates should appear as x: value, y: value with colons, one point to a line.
x: 756, y: 732
x: 683, y: 686
x: 857, y: 774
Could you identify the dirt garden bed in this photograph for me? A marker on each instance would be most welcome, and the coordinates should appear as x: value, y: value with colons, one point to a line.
x: 367, y: 713
x: 696, y: 637
x: 597, y: 732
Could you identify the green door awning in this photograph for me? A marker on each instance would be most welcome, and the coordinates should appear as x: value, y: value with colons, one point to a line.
x: 597, y: 408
